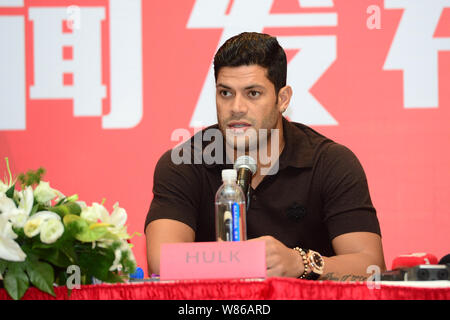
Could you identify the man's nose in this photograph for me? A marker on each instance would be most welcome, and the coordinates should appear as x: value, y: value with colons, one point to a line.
x: 239, y: 105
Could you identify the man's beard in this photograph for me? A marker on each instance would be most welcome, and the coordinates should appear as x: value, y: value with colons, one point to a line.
x: 252, y: 139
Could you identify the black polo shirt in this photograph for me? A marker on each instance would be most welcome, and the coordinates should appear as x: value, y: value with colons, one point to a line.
x: 319, y: 192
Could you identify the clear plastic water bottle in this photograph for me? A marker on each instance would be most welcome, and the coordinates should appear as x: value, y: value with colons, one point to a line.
x: 231, y: 222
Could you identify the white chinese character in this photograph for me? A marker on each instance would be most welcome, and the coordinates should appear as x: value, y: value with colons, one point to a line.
x: 316, y: 55
x: 415, y: 50
x: 85, y: 68
x: 125, y: 23
x: 12, y: 73
x: 68, y: 62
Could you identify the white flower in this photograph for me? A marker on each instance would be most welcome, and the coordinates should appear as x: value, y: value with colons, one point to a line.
x: 17, y: 216
x: 117, y: 218
x: 116, y: 263
x: 6, y: 204
x: 82, y: 204
x: 94, y: 212
x: 51, y: 230
x: 124, y: 247
x: 26, y: 200
x: 32, y: 227
x: 9, y: 249
x: 43, y: 193
x: 36, y: 223
x: 116, y: 221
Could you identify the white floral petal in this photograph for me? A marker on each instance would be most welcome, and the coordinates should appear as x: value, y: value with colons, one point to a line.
x: 82, y: 204
x: 119, y: 217
x: 90, y: 214
x: 26, y: 200
x: 117, y: 257
x: 3, y: 187
x: 51, y: 230
x: 6, y: 204
x: 19, y: 219
x: 45, y: 215
x: 44, y: 193
x: 32, y: 227
x: 6, y: 230
x: 10, y: 250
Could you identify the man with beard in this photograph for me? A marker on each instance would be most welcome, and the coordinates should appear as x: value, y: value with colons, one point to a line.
x: 310, y: 201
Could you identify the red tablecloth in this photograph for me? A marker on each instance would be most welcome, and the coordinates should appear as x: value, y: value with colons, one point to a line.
x: 269, y: 289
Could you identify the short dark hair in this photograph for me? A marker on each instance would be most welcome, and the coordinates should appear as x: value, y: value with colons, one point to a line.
x: 252, y: 48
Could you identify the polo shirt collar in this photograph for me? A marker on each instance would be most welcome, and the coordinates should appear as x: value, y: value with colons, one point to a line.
x: 298, y: 151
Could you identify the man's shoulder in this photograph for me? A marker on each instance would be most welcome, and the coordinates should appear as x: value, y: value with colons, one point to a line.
x: 318, y: 146
x: 313, y: 135
x: 306, y: 140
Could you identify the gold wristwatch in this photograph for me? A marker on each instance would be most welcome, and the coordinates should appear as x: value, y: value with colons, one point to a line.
x: 313, y: 261
x: 316, y: 264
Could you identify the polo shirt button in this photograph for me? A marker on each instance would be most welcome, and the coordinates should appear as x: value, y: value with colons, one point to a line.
x: 254, y: 198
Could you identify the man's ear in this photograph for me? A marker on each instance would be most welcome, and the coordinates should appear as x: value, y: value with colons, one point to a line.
x: 284, y: 97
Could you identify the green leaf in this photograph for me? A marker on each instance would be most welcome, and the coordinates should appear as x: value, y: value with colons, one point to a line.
x: 34, y: 209
x: 41, y: 276
x: 91, y: 235
x: 60, y: 201
x: 74, y: 208
x: 16, y: 280
x: 70, y: 253
x: 66, y: 208
x: 96, y: 262
x: 10, y: 192
x: 3, y: 265
x: 31, y: 177
x: 113, y: 278
x: 19, y: 231
x: 61, y: 276
x: 54, y: 256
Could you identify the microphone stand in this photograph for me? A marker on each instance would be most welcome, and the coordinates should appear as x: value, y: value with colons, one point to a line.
x: 245, y: 174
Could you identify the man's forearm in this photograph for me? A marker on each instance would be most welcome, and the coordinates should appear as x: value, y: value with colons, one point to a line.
x: 349, y: 267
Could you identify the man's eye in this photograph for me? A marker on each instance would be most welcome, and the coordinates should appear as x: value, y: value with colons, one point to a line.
x: 225, y: 93
x: 254, y: 94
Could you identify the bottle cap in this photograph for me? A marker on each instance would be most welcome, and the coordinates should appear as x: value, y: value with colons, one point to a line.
x: 229, y: 175
x: 138, y: 274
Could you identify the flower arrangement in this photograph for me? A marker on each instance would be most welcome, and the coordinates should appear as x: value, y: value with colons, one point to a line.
x: 43, y: 233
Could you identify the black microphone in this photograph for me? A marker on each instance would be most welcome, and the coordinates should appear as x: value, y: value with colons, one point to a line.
x: 418, y: 267
x: 246, y: 168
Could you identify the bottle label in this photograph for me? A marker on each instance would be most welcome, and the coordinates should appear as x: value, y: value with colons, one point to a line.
x: 236, y: 226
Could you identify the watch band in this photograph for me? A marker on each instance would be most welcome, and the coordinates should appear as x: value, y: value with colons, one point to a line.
x: 312, y: 276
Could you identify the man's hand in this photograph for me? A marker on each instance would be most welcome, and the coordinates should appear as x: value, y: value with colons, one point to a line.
x: 281, y: 261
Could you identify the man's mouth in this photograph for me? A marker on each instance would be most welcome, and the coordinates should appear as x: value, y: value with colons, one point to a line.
x: 238, y: 126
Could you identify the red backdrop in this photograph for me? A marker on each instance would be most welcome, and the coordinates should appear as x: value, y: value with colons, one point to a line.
x: 378, y: 90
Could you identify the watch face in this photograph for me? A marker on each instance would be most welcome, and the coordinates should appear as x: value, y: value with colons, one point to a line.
x: 317, y: 260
